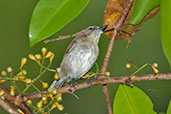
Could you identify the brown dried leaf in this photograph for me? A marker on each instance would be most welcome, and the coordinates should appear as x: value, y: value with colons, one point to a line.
x: 113, y: 12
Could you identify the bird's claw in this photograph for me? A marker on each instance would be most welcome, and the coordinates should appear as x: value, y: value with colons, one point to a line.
x: 73, y: 84
x: 88, y: 81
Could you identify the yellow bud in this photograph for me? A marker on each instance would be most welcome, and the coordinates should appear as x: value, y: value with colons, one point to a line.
x: 51, y: 96
x: 45, y: 102
x: 155, y: 65
x: 38, y: 61
x: 39, y: 104
x: 59, y: 94
x: 23, y: 62
x: 2, y: 97
x: 107, y: 73
x: 53, y: 106
x: 49, y: 54
x: 27, y: 81
x: 12, y: 91
x: 54, y: 91
x: 16, y: 77
x: 24, y: 72
x: 44, y: 98
x: 38, y: 57
x: 21, y: 73
x: 86, y: 76
x: 3, y: 73
x: 1, y: 81
x: 9, y: 69
x: 29, y: 101
x: 59, y: 97
x: 20, y: 111
x: 50, y: 90
x: 44, y: 50
x: 128, y: 65
x: 51, y: 58
x: 22, y: 77
x: 44, y: 84
x: 59, y: 106
x: 32, y: 57
x: 155, y: 70
x: 1, y: 93
x: 56, y: 76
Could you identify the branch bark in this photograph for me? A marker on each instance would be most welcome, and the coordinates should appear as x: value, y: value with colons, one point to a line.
x: 117, y: 27
x: 20, y: 100
x: 61, y: 38
x: 16, y: 100
x: 109, y: 80
x: 7, y: 107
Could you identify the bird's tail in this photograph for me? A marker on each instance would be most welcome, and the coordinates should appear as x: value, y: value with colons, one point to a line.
x: 57, y: 84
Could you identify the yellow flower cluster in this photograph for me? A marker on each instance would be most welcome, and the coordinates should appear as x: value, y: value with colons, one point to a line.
x: 39, y: 57
x: 55, y: 99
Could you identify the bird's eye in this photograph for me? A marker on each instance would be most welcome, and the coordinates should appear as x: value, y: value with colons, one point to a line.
x: 90, y: 28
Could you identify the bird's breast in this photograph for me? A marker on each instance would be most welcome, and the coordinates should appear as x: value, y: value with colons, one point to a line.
x: 79, y: 61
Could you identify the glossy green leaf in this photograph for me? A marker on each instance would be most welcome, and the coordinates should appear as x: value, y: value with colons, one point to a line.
x: 132, y: 101
x: 166, y: 28
x: 141, y: 9
x: 169, y: 108
x: 49, y: 16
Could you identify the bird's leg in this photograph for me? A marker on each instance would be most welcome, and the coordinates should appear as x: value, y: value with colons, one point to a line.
x: 88, y: 81
x: 73, y: 83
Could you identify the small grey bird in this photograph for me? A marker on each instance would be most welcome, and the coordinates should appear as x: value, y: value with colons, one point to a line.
x: 80, y: 55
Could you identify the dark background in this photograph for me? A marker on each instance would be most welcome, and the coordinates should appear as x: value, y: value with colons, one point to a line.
x: 146, y: 47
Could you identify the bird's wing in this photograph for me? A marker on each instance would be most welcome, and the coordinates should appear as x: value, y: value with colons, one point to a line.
x: 71, y: 46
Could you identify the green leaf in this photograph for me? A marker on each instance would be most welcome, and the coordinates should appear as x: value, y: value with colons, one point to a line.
x: 169, y: 108
x: 141, y: 9
x: 132, y: 101
x: 165, y: 9
x: 49, y: 16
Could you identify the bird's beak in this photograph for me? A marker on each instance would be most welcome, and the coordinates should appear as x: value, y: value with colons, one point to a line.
x: 103, y: 27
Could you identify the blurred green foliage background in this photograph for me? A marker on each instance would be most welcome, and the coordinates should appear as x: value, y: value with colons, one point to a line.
x: 145, y: 48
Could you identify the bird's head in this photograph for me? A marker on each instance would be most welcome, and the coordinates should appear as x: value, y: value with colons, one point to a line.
x: 93, y: 32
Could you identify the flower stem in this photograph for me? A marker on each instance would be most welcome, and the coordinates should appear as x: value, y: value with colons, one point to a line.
x: 37, y: 78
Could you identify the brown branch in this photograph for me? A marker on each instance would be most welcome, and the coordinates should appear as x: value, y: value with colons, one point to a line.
x: 117, y: 27
x: 61, y: 38
x: 7, y: 107
x: 103, y: 70
x: 106, y: 93
x: 109, y: 80
x: 19, y: 100
x: 16, y: 100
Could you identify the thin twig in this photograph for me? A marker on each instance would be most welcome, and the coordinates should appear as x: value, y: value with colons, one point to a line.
x: 7, y: 107
x: 72, y: 93
x: 70, y: 36
x: 61, y: 38
x: 106, y: 93
x: 103, y: 70
x: 116, y: 27
x: 109, y: 80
